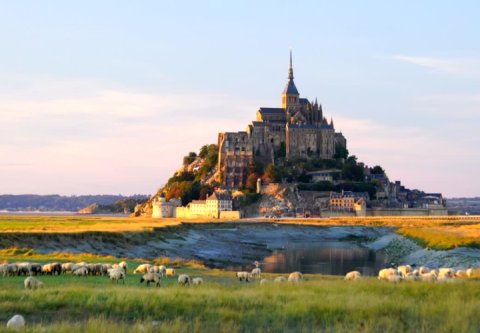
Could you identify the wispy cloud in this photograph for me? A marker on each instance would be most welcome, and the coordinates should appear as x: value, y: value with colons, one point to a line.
x: 469, y: 67
x: 107, y: 140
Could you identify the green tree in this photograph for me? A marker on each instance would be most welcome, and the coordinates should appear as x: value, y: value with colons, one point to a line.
x: 189, y: 158
x: 341, y: 151
x: 203, y: 151
x: 378, y: 170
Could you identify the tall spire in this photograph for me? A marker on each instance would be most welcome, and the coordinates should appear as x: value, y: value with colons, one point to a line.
x: 290, y: 68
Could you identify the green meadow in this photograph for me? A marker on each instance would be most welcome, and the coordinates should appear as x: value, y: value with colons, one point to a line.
x: 223, y: 304
x: 322, y: 303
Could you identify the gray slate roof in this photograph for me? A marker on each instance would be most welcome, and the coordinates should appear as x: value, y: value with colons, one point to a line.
x: 290, y: 88
x: 272, y: 110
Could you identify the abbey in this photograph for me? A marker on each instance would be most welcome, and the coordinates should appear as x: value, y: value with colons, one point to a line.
x: 297, y: 129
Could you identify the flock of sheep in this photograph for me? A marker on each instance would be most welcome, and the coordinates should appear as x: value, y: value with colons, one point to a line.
x: 246, y: 276
x: 115, y: 272
x: 407, y: 273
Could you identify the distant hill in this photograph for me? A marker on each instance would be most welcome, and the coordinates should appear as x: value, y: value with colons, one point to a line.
x: 32, y: 202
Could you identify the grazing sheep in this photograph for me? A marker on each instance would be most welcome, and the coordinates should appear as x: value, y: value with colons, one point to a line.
x: 295, y: 277
x: 404, y: 269
x: 124, y: 265
x: 184, y: 279
x: 256, y: 272
x: 80, y: 271
x: 67, y: 267
x: 197, y: 281
x: 461, y: 274
x: 429, y: 277
x: 264, y: 282
x: 448, y: 272
x: 412, y: 276
x: 17, y: 322
x: 469, y: 273
x: 23, y: 268
x: 157, y: 269
x: 423, y: 270
x: 394, y: 278
x: 163, y: 269
x: 9, y: 269
x: 151, y: 277
x: 77, y: 266
x: 116, y: 274
x: 244, y: 276
x: 353, y: 276
x: 169, y: 272
x: 52, y: 268
x: 143, y: 268
x: 384, y: 274
x: 35, y: 269
x: 280, y: 279
x: 32, y: 283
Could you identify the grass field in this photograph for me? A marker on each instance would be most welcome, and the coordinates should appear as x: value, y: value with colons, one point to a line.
x: 222, y: 304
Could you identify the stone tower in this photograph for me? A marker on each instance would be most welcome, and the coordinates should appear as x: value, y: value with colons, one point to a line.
x: 290, y: 95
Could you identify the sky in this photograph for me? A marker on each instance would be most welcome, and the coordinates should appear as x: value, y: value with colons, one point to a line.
x: 102, y: 97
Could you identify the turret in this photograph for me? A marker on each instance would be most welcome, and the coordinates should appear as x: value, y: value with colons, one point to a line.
x: 290, y: 95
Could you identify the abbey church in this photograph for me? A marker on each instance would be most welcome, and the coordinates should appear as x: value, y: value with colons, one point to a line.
x: 297, y: 129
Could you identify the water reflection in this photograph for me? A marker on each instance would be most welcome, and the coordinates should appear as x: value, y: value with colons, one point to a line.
x: 333, y: 259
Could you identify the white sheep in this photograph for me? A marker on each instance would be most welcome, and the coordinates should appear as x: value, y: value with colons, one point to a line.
x: 384, y: 274
x: 461, y: 274
x: 9, y: 269
x: 67, y: 267
x: 264, y: 282
x: 116, y: 274
x: 32, y: 283
x: 197, y: 281
x: 423, y: 270
x: 412, y: 276
x: 469, y: 273
x: 447, y: 272
x: 244, y: 276
x: 169, y: 272
x: 157, y: 270
x: 404, y: 269
x: 151, y: 277
x: 256, y: 272
x: 280, y: 279
x: 353, y: 276
x: 80, y: 271
x: 295, y: 277
x: 184, y: 279
x: 162, y: 269
x: 77, y: 266
x: 394, y: 278
x: 143, y: 268
x: 17, y: 322
x: 124, y: 265
x: 429, y: 277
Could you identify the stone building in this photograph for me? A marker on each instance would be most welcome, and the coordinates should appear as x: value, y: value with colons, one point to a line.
x: 218, y: 205
x: 297, y: 129
x: 162, y: 208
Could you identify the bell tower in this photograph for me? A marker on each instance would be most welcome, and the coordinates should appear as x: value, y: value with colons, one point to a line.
x: 290, y: 95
